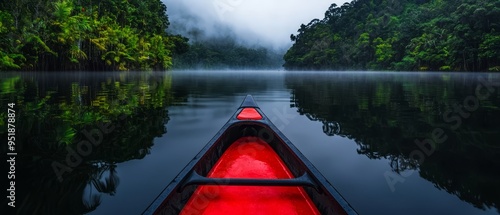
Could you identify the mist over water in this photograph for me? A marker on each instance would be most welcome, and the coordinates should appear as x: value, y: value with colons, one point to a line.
x: 252, y: 23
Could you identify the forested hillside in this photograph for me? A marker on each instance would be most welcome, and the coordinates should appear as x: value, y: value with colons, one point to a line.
x: 225, y: 53
x: 86, y: 35
x: 458, y: 35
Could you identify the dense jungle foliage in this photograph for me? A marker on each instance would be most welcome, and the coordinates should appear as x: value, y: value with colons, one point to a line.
x: 86, y: 35
x: 441, y: 35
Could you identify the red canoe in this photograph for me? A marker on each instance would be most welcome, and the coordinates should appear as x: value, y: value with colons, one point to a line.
x: 249, y: 167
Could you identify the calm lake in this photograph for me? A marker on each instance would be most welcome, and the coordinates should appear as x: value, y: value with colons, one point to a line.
x: 391, y: 143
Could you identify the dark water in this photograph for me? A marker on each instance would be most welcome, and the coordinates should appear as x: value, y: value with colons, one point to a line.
x: 359, y: 129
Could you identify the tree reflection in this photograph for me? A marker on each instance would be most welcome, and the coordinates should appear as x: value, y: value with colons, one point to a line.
x: 385, y: 114
x: 51, y: 120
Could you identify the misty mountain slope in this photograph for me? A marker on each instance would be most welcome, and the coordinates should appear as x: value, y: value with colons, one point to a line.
x: 225, y: 53
x: 238, y: 34
x: 220, y: 46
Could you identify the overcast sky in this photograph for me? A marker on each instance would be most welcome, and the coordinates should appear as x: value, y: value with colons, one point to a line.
x: 261, y: 22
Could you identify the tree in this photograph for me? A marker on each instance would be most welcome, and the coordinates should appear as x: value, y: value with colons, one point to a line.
x: 490, y: 51
x: 402, y: 35
x: 86, y: 35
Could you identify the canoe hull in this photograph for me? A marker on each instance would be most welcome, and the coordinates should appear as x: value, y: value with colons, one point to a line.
x: 175, y: 196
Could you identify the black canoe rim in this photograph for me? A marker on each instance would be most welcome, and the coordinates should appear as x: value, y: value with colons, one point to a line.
x: 249, y: 102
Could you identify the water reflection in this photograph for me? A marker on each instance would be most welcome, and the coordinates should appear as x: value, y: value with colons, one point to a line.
x: 385, y: 114
x: 382, y: 113
x: 214, y: 84
x: 73, y: 129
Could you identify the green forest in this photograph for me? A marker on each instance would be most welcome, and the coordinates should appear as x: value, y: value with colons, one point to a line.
x: 458, y: 35
x: 95, y: 35
x: 222, y: 53
x: 86, y: 35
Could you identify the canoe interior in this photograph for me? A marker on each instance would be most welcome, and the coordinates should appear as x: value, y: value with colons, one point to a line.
x: 172, y: 201
x: 250, y: 157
